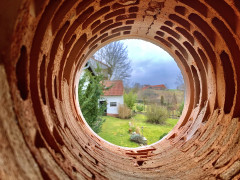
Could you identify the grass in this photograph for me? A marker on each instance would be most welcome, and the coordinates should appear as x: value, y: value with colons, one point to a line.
x: 115, y: 130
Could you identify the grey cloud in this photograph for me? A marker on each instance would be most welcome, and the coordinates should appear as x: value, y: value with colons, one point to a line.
x: 155, y: 72
x: 151, y: 64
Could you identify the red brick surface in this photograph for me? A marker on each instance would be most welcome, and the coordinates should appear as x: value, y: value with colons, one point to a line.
x: 45, y: 43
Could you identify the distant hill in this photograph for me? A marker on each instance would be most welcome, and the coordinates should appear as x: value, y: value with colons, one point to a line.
x: 154, y: 96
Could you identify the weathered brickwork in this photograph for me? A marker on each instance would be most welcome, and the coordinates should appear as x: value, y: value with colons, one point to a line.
x: 44, y: 45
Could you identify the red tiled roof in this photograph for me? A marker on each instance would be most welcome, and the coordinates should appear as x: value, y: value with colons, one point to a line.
x: 155, y: 86
x: 115, y: 90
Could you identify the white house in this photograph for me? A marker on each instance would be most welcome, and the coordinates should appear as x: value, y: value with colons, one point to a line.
x: 113, y: 96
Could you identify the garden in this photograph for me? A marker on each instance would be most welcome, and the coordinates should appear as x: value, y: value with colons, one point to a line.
x: 117, y: 131
x: 146, y: 114
x: 138, y: 123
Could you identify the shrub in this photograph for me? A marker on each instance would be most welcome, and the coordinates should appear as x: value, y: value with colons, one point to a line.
x: 180, y: 109
x: 124, y: 112
x: 130, y: 99
x: 89, y: 93
x: 162, y: 136
x: 162, y: 101
x: 156, y: 114
x: 140, y: 107
x: 138, y: 139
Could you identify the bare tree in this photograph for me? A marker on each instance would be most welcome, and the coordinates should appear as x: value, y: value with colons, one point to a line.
x: 136, y: 87
x: 115, y: 55
x: 180, y: 82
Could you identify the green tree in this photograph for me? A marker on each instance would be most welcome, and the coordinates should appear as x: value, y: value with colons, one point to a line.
x: 130, y: 99
x: 174, y: 99
x: 140, y: 107
x: 162, y: 100
x: 89, y: 92
x: 180, y: 109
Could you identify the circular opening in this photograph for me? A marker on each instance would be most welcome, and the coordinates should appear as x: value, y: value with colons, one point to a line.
x: 131, y: 93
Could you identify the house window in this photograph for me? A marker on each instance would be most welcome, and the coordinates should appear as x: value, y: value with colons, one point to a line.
x: 112, y: 104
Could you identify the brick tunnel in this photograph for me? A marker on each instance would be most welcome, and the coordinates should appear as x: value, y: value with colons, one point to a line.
x: 45, y: 43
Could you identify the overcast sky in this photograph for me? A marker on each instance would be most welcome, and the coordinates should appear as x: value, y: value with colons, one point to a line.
x: 151, y: 64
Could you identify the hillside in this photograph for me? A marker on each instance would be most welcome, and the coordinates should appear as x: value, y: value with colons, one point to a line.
x: 154, y: 96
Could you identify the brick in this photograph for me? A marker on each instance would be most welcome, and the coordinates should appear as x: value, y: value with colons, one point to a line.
x: 231, y: 171
x: 45, y: 43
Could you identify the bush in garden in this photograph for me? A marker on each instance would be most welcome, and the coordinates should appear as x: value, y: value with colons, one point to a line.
x: 180, y: 109
x: 138, y: 139
x: 156, y: 114
x: 130, y: 99
x: 124, y: 112
x: 139, y: 107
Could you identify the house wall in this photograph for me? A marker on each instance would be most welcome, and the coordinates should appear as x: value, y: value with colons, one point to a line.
x: 117, y: 99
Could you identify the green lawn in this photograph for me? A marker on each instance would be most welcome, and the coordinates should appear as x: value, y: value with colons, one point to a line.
x: 115, y: 130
